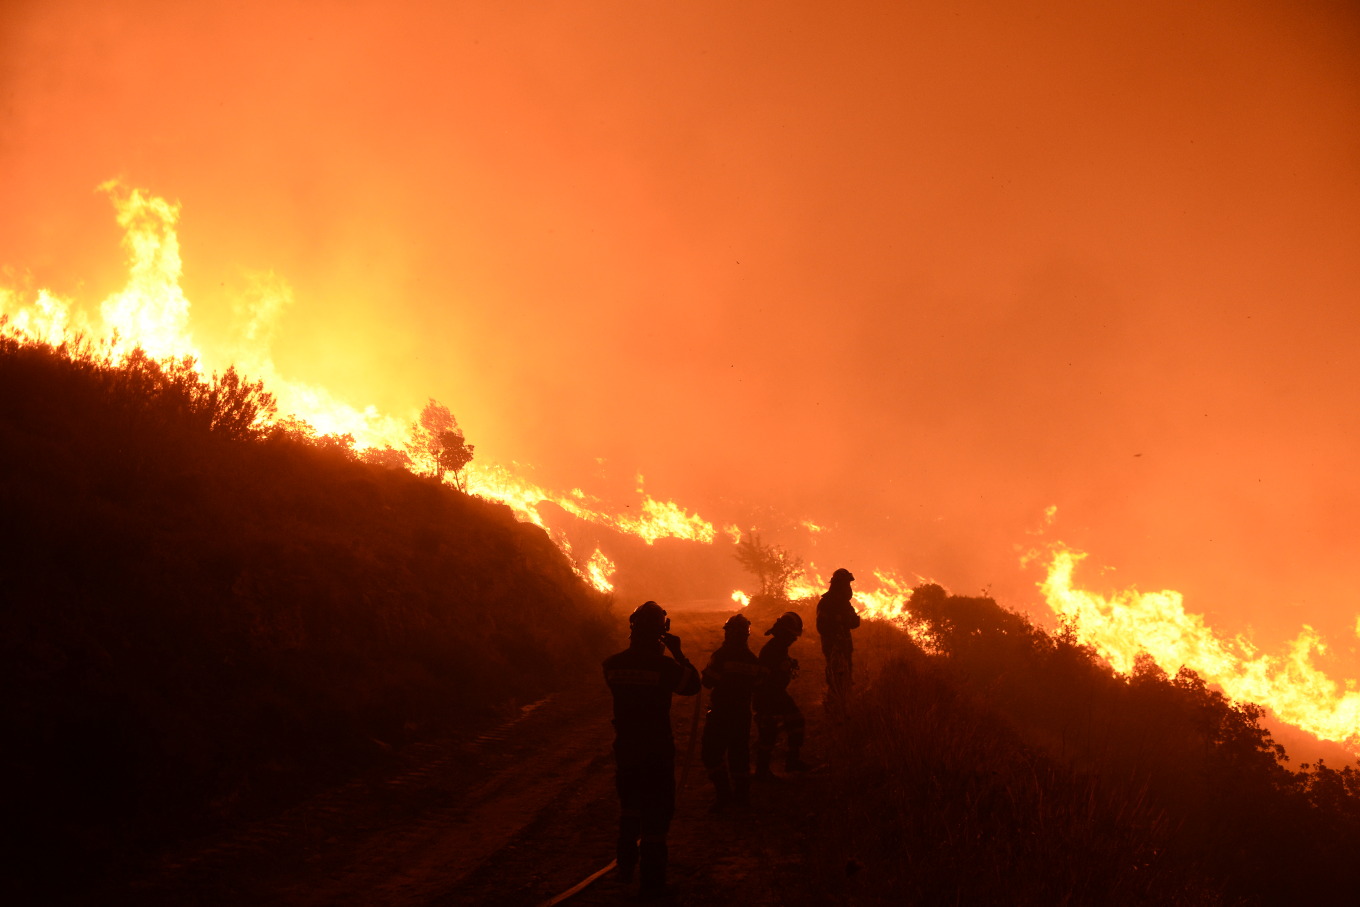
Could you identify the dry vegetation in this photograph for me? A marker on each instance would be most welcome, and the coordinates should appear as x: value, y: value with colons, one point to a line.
x: 205, y: 620
x: 1011, y: 765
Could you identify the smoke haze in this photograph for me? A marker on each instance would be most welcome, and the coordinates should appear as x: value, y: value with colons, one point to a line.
x: 915, y: 275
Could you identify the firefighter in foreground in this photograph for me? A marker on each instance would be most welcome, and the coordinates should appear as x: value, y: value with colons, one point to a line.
x: 642, y: 680
x: 836, y: 617
x: 731, y: 675
x: 775, y: 708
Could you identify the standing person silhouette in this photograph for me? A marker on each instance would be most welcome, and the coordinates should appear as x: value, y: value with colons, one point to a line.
x: 774, y: 706
x: 642, y: 680
x: 836, y: 617
x: 731, y: 675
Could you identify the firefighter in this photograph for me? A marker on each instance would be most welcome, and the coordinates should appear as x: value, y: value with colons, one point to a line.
x: 642, y: 680
x: 731, y: 675
x: 836, y: 617
x: 775, y: 708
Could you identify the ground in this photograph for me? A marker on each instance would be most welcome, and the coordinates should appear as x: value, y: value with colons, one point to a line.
x: 519, y: 815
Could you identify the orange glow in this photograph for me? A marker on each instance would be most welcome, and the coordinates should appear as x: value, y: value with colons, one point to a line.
x: 1124, y: 623
x: 152, y: 312
x: 883, y: 602
x: 914, y: 270
x: 600, y: 570
x: 655, y: 519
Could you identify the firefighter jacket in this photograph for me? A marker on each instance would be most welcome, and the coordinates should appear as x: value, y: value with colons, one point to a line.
x: 776, y: 669
x: 642, y: 679
x: 731, y: 675
x: 836, y: 617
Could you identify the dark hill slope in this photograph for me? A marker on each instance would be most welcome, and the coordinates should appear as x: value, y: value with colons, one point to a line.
x: 1014, y: 766
x: 203, y: 622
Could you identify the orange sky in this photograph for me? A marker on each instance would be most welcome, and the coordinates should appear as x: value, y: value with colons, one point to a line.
x: 913, y: 274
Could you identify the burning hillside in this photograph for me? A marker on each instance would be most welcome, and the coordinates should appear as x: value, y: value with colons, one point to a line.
x: 151, y: 313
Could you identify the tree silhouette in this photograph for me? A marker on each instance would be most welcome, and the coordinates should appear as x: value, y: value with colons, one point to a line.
x: 771, y: 564
x: 437, y: 444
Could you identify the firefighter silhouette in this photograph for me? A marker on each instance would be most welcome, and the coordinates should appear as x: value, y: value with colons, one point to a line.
x: 774, y: 707
x: 836, y: 617
x: 642, y: 680
x: 731, y: 675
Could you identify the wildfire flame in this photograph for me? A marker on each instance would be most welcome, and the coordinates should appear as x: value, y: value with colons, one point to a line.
x: 152, y: 312
x: 655, y: 519
x: 1127, y: 622
x: 886, y: 602
x: 600, y: 571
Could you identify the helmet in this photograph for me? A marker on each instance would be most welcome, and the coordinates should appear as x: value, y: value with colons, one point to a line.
x: 649, y: 619
x: 788, y: 622
x: 737, y: 623
x: 842, y: 573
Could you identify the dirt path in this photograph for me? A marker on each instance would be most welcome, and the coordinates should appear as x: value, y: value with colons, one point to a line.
x: 513, y: 818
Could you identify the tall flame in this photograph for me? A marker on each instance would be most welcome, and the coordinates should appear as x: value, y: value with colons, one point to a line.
x: 1125, y: 623
x: 152, y: 312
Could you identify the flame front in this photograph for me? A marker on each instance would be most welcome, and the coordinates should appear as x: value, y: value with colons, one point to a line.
x: 1128, y: 622
x: 151, y: 312
x: 655, y: 519
x: 885, y: 602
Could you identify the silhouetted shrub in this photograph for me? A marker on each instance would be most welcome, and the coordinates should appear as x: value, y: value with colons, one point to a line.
x: 1015, y: 765
x: 205, y: 618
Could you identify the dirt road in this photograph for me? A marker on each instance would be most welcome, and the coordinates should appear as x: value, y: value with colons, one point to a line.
x: 515, y: 817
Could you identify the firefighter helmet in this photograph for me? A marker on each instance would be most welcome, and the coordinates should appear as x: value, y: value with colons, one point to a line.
x: 737, y: 623
x: 789, y: 622
x: 649, y: 619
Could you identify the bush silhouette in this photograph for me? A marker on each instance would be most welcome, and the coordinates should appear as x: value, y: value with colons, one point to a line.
x: 208, y: 617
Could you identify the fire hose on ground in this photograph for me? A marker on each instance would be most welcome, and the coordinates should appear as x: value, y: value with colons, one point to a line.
x: 679, y: 789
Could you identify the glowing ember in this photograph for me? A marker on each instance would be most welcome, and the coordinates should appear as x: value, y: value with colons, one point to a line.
x: 1127, y: 622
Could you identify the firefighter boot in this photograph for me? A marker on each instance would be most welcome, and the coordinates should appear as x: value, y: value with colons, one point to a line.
x: 627, y: 848
x: 722, y: 788
x: 741, y: 790
x: 652, y: 869
x: 763, y: 772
